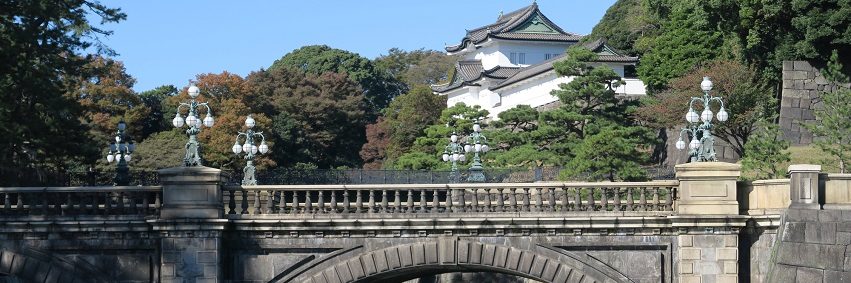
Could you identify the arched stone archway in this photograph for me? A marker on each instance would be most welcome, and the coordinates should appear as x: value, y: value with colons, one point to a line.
x: 31, y: 265
x: 409, y: 261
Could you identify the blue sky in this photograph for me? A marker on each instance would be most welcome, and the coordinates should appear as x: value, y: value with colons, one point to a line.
x: 169, y: 42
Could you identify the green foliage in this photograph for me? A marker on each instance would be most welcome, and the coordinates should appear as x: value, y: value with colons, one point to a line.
x: 611, y: 153
x: 416, y: 67
x: 161, y: 113
x: 832, y: 128
x: 160, y: 150
x: 765, y: 152
x: 378, y: 87
x: 458, y: 119
x: 624, y: 22
x: 41, y: 42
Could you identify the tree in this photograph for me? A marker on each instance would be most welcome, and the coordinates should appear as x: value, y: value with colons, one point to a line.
x: 40, y: 45
x: 766, y: 152
x: 378, y: 87
x: 160, y: 150
x: 426, y: 150
x: 745, y: 96
x: 832, y: 129
x: 373, y: 151
x: 317, y: 119
x: 417, y: 67
x: 610, y: 153
x: 160, y: 115
x: 513, y: 140
x: 623, y: 24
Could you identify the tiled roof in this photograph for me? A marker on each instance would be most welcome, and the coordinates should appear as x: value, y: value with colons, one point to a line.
x: 506, y: 23
x: 501, y: 72
x: 466, y: 71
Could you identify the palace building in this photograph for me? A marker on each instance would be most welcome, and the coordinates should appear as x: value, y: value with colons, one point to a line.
x: 510, y: 62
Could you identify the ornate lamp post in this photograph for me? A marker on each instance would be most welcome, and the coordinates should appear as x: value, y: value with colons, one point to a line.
x: 453, y: 152
x: 250, y: 150
x: 479, y: 145
x: 701, y: 147
x: 193, y: 157
x: 120, y: 151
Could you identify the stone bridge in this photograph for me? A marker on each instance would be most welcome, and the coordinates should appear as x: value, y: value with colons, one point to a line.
x: 702, y: 227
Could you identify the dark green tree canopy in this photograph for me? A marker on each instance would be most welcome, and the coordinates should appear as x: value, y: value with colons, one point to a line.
x: 378, y: 86
x: 417, y: 67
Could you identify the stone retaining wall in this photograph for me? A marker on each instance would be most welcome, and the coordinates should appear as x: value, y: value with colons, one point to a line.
x: 802, y: 85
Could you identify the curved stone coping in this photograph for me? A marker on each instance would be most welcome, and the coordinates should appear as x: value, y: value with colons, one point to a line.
x: 772, y: 182
x: 97, y: 189
x: 447, y: 254
x: 456, y: 186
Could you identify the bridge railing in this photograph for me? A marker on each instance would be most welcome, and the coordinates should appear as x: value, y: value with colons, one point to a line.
x: 555, y: 197
x: 75, y: 201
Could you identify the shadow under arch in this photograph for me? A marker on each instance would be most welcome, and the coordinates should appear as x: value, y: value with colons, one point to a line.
x: 31, y: 265
x: 444, y: 255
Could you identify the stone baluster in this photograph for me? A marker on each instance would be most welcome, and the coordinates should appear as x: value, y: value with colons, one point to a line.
x: 655, y: 205
x: 107, y: 204
x: 158, y: 202
x: 333, y: 201
x: 256, y: 203
x: 294, y: 208
x: 397, y: 201
x: 551, y: 199
x: 488, y: 207
x: 243, y: 201
x: 320, y: 205
x: 512, y: 197
x: 20, y: 204
x: 358, y: 201
x: 642, y: 199
x: 384, y: 201
x: 449, y: 201
x: 474, y: 202
x: 45, y: 204
x: 282, y: 203
x: 270, y: 202
x: 592, y: 204
x: 423, y: 203
x: 527, y: 206
x: 7, y: 203
x: 308, y: 203
x: 435, y: 201
x: 131, y: 202
x: 410, y: 199
x: 347, y: 204
x: 630, y: 200
x: 68, y: 205
x: 604, y: 199
x: 372, y: 207
x: 462, y: 202
x: 617, y: 201
x: 539, y: 203
x: 669, y: 199
x: 500, y: 200
x: 231, y: 202
x: 119, y: 203
x: 577, y: 198
x: 565, y: 200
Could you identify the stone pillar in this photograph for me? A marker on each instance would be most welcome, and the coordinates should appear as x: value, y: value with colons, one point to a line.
x: 190, y: 225
x: 707, y: 188
x: 804, y: 186
x: 708, y: 258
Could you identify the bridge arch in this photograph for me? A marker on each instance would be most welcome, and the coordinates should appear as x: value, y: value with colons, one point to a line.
x: 32, y: 265
x: 408, y: 261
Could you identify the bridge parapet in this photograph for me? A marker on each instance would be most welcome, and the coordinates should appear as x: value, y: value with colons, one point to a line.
x: 458, y: 199
x: 105, y: 201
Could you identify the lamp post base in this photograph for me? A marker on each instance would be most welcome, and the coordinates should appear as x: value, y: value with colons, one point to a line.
x: 476, y: 174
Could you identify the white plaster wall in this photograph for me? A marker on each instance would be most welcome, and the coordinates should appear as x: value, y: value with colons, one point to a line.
x: 534, y: 93
x: 496, y: 52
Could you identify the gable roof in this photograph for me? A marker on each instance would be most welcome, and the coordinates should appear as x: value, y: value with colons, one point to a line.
x: 467, y: 72
x: 516, y: 26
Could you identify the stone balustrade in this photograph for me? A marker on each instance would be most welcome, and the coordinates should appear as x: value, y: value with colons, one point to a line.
x: 72, y: 201
x: 450, y: 198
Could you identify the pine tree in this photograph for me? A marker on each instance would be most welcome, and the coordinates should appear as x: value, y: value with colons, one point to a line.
x: 765, y: 151
x: 832, y: 129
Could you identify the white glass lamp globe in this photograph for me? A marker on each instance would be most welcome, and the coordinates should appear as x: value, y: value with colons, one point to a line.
x: 722, y: 115
x: 692, y: 116
x: 177, y: 122
x: 236, y: 148
x: 456, y: 157
x: 122, y: 126
x: 249, y: 122
x: 477, y: 128
x: 694, y: 144
x: 264, y: 148
x: 706, y: 115
x: 478, y: 147
x: 193, y: 91
x: 253, y: 149
x: 126, y: 157
x: 706, y: 84
x: 246, y: 147
x: 191, y: 120
x: 681, y: 145
x: 463, y: 158
x: 445, y: 157
x: 453, y: 138
x: 110, y: 158
x: 485, y: 148
x: 467, y: 148
x: 208, y: 121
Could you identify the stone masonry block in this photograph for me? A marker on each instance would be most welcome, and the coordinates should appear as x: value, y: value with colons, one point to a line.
x: 802, y: 215
x: 207, y: 257
x: 837, y: 276
x: 731, y: 267
x: 820, y: 233
x: 690, y: 279
x: 809, y: 275
x: 843, y: 238
x: 685, y: 240
x: 811, y: 255
x: 708, y: 254
x: 686, y: 267
x: 727, y: 253
x: 803, y: 66
x: 689, y: 254
x: 844, y: 226
x: 167, y: 270
x: 727, y: 279
x: 792, y: 112
x: 829, y: 215
x: 731, y: 241
x: 705, y: 268
x: 782, y: 273
x: 708, y: 241
x: 793, y: 232
x: 847, y: 265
